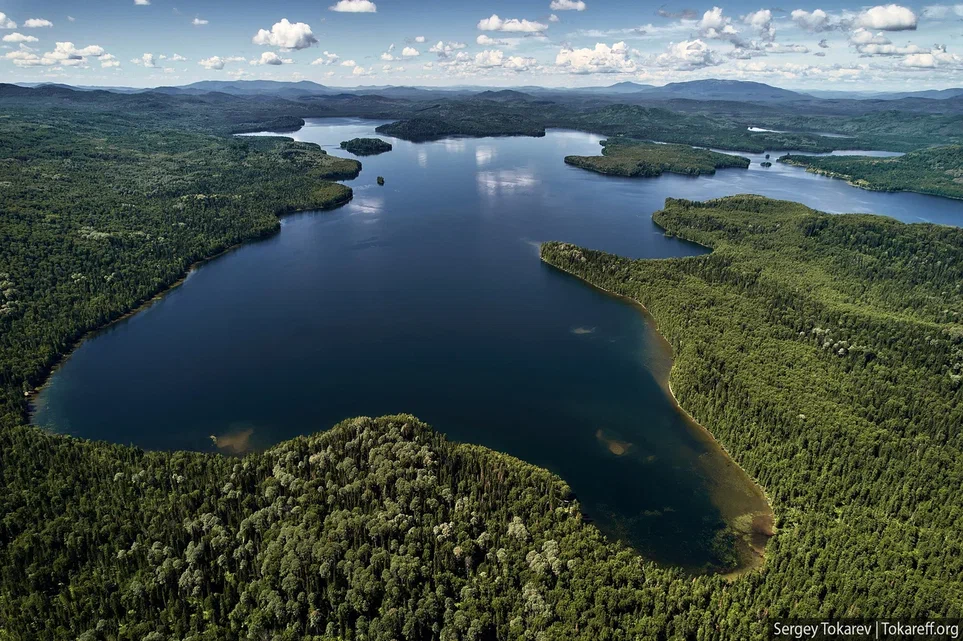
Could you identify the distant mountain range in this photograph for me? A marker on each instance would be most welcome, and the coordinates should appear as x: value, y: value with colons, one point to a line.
x: 711, y: 89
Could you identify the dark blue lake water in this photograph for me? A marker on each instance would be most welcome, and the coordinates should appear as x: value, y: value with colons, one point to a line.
x: 427, y: 296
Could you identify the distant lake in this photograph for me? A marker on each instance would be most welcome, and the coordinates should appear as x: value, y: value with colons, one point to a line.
x: 427, y: 296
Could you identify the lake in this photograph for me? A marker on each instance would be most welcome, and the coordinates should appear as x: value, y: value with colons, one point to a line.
x: 427, y: 296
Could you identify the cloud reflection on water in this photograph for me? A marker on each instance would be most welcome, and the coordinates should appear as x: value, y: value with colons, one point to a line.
x: 507, y: 181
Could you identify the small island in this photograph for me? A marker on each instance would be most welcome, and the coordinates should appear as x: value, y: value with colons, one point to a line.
x: 632, y: 158
x: 381, y: 180
x: 366, y: 146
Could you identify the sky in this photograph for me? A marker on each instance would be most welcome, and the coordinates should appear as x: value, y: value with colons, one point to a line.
x: 553, y: 43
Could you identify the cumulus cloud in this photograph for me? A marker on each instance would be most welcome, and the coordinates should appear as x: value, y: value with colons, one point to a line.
x: 361, y: 71
x: 487, y: 41
x: 6, y: 23
x: 814, y: 21
x: 272, y: 59
x: 600, y: 59
x: 494, y: 23
x: 327, y: 58
x: 65, y: 54
x: 715, y: 26
x: 824, y: 44
x: 446, y: 49
x: 354, y: 6
x: 936, y: 58
x: 146, y: 60
x: 199, y: 22
x: 141, y: 3
x: 37, y: 23
x: 177, y: 58
x: 489, y: 58
x: 761, y: 21
x: 349, y: 63
x: 286, y: 36
x: 18, y: 37
x: 214, y: 63
x: 419, y: 39
x: 686, y: 55
x: 410, y: 52
x: 567, y: 5
x: 553, y: 18
x: 108, y: 61
x: 890, y: 17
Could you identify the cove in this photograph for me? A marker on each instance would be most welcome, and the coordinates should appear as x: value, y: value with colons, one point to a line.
x: 426, y: 295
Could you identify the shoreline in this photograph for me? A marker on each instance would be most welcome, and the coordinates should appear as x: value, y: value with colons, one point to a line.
x: 755, y: 553
x: 852, y: 181
x: 48, y: 372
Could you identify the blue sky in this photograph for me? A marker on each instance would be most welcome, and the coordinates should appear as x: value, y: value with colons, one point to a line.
x: 491, y: 42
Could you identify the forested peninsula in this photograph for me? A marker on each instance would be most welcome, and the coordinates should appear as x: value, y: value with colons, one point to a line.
x: 937, y: 171
x: 641, y: 159
x: 809, y: 345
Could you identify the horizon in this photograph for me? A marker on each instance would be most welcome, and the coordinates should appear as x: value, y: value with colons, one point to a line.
x: 549, y: 43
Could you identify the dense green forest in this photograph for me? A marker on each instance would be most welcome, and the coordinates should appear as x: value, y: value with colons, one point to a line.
x: 826, y: 353
x: 640, y: 159
x: 366, y: 146
x: 937, y: 170
x: 441, y: 121
x: 98, y: 217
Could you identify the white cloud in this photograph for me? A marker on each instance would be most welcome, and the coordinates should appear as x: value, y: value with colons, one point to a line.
x: 286, y: 36
x: 349, y: 63
x: 18, y: 37
x: 146, y: 60
x: 553, y: 18
x: 445, y: 49
x: 761, y: 21
x: 519, y: 63
x: 141, y: 3
x: 6, y: 23
x: 272, y: 59
x: 567, y: 5
x: 71, y: 19
x: 178, y: 58
x: 489, y: 58
x: 716, y: 26
x: 513, y: 25
x: 199, y: 22
x: 487, y: 41
x: 688, y: 54
x: 37, y: 23
x: 215, y: 63
x: 354, y: 6
x: 936, y: 58
x: 600, y: 59
x: 108, y: 61
x: 387, y: 57
x: 890, y: 17
x: 327, y: 58
x: 410, y: 52
x: 815, y: 21
x: 65, y: 54
x: 361, y: 71
x: 419, y: 39
x: 941, y: 11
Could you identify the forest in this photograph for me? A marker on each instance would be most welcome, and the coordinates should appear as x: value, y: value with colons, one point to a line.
x: 366, y: 146
x: 631, y: 158
x: 825, y: 353
x: 937, y: 170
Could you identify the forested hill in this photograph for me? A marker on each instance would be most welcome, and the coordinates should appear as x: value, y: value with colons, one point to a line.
x: 826, y: 353
x: 937, y: 170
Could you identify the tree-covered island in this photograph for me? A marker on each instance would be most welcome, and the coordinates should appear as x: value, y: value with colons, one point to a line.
x: 366, y: 146
x: 633, y: 158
